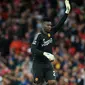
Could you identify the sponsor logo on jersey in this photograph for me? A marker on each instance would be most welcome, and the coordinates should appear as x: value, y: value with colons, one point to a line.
x: 45, y: 43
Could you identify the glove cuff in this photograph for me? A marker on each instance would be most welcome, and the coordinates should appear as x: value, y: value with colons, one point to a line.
x: 67, y: 12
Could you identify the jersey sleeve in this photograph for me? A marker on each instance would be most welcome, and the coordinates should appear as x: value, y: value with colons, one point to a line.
x: 58, y: 26
x: 35, y: 44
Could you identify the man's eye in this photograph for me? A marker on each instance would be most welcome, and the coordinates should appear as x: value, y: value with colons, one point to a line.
x: 49, y: 25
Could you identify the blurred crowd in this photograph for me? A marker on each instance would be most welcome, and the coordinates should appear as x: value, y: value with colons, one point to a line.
x: 20, y: 20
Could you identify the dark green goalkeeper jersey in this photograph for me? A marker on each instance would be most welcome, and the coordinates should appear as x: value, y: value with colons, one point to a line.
x: 44, y: 42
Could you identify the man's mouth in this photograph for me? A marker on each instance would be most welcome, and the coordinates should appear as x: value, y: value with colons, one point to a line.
x: 49, y: 29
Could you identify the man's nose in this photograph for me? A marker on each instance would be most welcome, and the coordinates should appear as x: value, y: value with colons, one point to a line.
x: 49, y: 26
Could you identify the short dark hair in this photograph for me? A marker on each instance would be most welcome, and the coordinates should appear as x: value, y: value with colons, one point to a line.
x: 46, y: 19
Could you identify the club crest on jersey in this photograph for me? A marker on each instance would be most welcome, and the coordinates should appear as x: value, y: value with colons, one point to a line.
x: 36, y: 79
x: 49, y: 35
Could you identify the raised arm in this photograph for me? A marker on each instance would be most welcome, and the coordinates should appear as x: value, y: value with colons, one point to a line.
x: 58, y: 26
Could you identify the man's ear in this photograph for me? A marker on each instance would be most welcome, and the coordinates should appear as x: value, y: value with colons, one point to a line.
x: 43, y: 24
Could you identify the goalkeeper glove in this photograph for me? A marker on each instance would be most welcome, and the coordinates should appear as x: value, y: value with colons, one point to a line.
x: 68, y: 7
x: 49, y: 56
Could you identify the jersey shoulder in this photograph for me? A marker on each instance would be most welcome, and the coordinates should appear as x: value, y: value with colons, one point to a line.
x: 36, y: 38
x: 37, y: 35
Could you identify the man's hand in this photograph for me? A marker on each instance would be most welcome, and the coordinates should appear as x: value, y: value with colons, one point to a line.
x: 68, y: 7
x: 49, y: 56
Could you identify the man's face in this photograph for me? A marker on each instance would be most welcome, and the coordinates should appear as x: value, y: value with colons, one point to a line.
x: 47, y: 25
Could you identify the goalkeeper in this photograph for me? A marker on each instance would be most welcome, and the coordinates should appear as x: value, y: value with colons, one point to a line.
x: 42, y: 50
